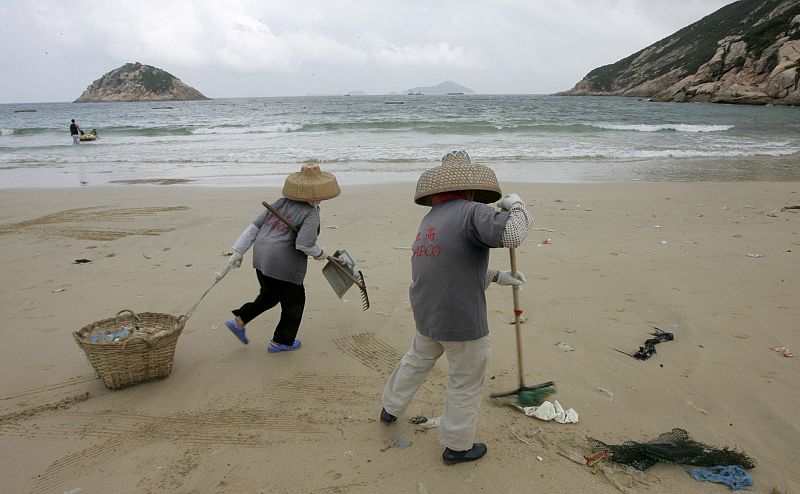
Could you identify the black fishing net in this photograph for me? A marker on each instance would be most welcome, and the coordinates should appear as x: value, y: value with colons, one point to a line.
x: 649, y: 348
x: 674, y: 446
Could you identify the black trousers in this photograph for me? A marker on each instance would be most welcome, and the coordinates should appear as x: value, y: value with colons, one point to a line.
x: 292, y: 298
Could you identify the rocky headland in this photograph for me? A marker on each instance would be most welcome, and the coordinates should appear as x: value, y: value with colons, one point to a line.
x: 747, y: 52
x: 139, y: 82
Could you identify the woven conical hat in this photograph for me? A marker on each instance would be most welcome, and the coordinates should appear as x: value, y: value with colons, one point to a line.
x: 311, y: 184
x: 457, y: 172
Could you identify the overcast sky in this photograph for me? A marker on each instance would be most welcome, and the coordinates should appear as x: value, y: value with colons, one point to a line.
x: 52, y: 50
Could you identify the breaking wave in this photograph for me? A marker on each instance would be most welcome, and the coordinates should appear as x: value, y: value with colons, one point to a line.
x: 664, y: 127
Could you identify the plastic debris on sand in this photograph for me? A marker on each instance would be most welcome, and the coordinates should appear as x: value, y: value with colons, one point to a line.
x: 733, y: 476
x: 564, y: 347
x: 552, y: 411
x: 606, y: 392
x: 425, y: 423
x: 784, y: 350
x: 397, y: 442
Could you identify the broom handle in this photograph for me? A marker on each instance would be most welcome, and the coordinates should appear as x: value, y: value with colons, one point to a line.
x: 517, y: 314
x: 281, y: 217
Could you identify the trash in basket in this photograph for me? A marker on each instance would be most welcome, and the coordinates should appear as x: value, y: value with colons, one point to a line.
x: 115, y: 336
x: 146, y: 352
x: 133, y: 348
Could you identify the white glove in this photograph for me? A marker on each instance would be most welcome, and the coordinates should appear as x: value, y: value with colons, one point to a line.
x: 507, y: 201
x: 236, y: 259
x: 505, y: 278
x: 322, y: 255
x: 340, y: 259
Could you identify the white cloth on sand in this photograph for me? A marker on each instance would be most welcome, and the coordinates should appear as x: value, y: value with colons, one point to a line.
x: 552, y: 411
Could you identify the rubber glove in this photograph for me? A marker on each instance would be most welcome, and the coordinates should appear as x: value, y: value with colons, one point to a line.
x: 505, y: 278
x: 236, y: 259
x: 507, y: 201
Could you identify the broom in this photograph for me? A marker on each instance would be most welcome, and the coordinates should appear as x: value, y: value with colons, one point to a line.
x: 526, y: 395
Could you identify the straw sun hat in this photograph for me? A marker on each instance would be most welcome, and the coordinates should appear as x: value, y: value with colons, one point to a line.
x: 310, y: 184
x: 457, y: 172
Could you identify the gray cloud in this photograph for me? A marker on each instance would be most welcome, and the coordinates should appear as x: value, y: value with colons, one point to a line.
x: 226, y: 48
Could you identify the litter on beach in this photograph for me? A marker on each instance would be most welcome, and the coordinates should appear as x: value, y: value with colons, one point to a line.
x: 784, y: 350
x: 607, y: 393
x: 551, y: 411
x: 425, y: 422
x: 675, y: 446
x: 649, y: 348
x: 734, y: 476
x: 431, y: 423
x: 564, y: 347
x: 397, y: 442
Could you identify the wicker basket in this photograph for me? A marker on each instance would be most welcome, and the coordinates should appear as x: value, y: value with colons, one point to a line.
x: 137, y: 358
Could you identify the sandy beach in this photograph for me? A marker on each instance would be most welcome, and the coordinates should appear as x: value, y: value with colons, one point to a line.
x: 715, y: 263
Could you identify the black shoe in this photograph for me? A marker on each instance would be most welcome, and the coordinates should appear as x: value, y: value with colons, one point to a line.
x: 386, y: 417
x: 477, y: 451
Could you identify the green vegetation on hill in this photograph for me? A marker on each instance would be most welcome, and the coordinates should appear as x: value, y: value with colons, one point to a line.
x: 151, y: 78
x: 761, y: 36
x: 602, y: 78
x: 155, y: 80
x: 697, y: 43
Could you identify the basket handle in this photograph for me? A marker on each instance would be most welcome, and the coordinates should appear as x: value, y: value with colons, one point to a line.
x: 136, y: 319
x: 135, y: 338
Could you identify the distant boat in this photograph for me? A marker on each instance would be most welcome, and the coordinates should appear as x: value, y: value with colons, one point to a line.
x: 415, y: 93
x: 24, y: 110
x: 455, y: 94
x: 394, y: 102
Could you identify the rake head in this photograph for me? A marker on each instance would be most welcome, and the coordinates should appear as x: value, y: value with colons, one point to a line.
x: 362, y: 287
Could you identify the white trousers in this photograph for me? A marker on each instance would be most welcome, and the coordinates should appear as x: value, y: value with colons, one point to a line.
x: 467, y: 362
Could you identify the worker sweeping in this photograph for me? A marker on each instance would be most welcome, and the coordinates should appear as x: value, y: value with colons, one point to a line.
x: 280, y: 255
x: 449, y: 271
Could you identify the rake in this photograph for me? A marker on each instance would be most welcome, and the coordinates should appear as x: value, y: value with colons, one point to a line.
x: 358, y: 281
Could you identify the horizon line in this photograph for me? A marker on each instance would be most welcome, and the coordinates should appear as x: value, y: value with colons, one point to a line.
x: 314, y: 95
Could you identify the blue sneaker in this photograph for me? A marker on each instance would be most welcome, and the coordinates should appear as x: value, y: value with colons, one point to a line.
x: 277, y: 347
x: 236, y: 330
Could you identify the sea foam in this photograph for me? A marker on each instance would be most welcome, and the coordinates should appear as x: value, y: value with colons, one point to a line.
x: 664, y: 127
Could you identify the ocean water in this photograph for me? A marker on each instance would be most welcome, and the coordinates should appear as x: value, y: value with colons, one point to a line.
x: 365, y: 139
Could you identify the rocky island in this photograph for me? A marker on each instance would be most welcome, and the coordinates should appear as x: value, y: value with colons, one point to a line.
x: 138, y: 82
x: 747, y: 52
x: 446, y: 87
